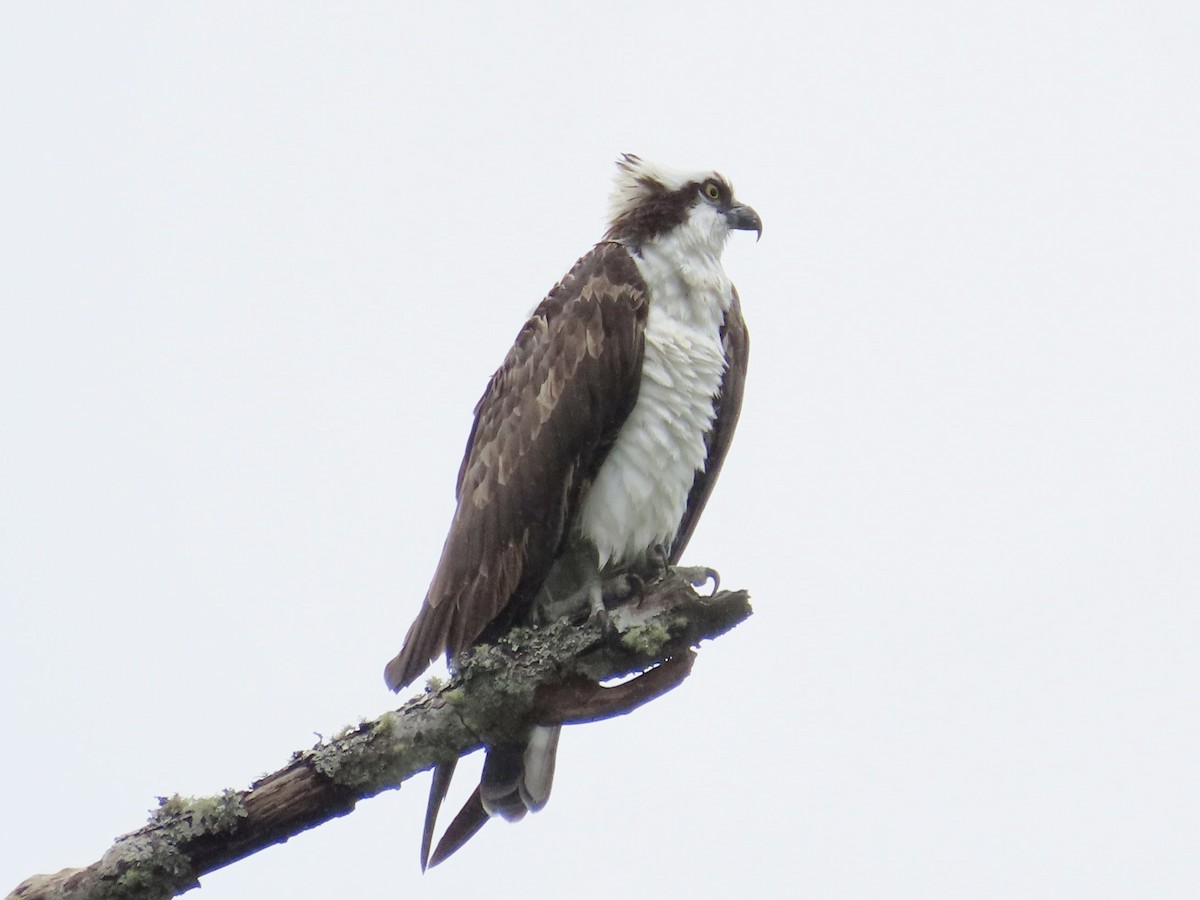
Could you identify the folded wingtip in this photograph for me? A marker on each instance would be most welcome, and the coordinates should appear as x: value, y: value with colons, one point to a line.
x: 469, y: 820
x: 442, y: 774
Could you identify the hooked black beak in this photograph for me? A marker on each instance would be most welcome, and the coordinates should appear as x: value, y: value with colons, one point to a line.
x: 743, y: 218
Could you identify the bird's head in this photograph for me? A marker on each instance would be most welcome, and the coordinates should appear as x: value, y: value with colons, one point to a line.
x: 649, y: 201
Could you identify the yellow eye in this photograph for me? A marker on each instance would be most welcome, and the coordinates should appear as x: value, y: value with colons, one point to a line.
x: 712, y: 192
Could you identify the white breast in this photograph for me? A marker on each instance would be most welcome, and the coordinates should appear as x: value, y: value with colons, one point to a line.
x: 640, y: 493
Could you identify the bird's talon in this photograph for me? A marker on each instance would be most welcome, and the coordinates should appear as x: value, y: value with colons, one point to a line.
x: 715, y: 577
x: 602, y: 620
x: 622, y: 590
x: 637, y: 590
x: 699, y: 576
x: 658, y: 560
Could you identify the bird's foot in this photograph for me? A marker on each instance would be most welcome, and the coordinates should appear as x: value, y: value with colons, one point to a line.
x: 699, y: 576
x: 623, y: 589
x: 658, y: 561
x: 598, y: 614
x: 658, y: 565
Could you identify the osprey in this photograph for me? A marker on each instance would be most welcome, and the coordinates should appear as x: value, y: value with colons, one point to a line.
x: 594, y: 449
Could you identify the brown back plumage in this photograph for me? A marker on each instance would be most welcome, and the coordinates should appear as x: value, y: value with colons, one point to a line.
x: 547, y: 419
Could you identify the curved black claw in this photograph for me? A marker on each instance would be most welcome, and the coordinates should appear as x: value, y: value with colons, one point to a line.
x: 599, y: 616
x: 658, y: 560
x: 626, y: 588
x: 699, y: 576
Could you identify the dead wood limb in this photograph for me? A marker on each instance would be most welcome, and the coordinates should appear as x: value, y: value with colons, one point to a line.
x: 532, y: 676
x: 575, y: 702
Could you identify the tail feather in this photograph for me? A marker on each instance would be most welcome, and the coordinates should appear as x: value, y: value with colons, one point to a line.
x: 437, y: 793
x: 515, y: 780
x: 500, y: 783
x: 540, y: 755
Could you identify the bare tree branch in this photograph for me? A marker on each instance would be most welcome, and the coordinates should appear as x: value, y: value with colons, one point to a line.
x: 532, y: 676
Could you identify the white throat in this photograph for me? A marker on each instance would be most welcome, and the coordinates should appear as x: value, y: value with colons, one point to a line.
x: 640, y: 494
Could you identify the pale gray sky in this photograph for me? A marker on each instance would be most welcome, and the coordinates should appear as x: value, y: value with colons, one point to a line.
x: 259, y: 261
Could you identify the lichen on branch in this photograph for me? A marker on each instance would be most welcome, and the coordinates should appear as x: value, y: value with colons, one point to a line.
x: 546, y: 675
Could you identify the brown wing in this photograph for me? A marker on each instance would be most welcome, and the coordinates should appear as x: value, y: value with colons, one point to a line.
x: 543, y: 426
x: 736, y: 341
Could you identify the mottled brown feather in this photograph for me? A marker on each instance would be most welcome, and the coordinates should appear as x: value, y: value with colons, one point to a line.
x: 547, y: 419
